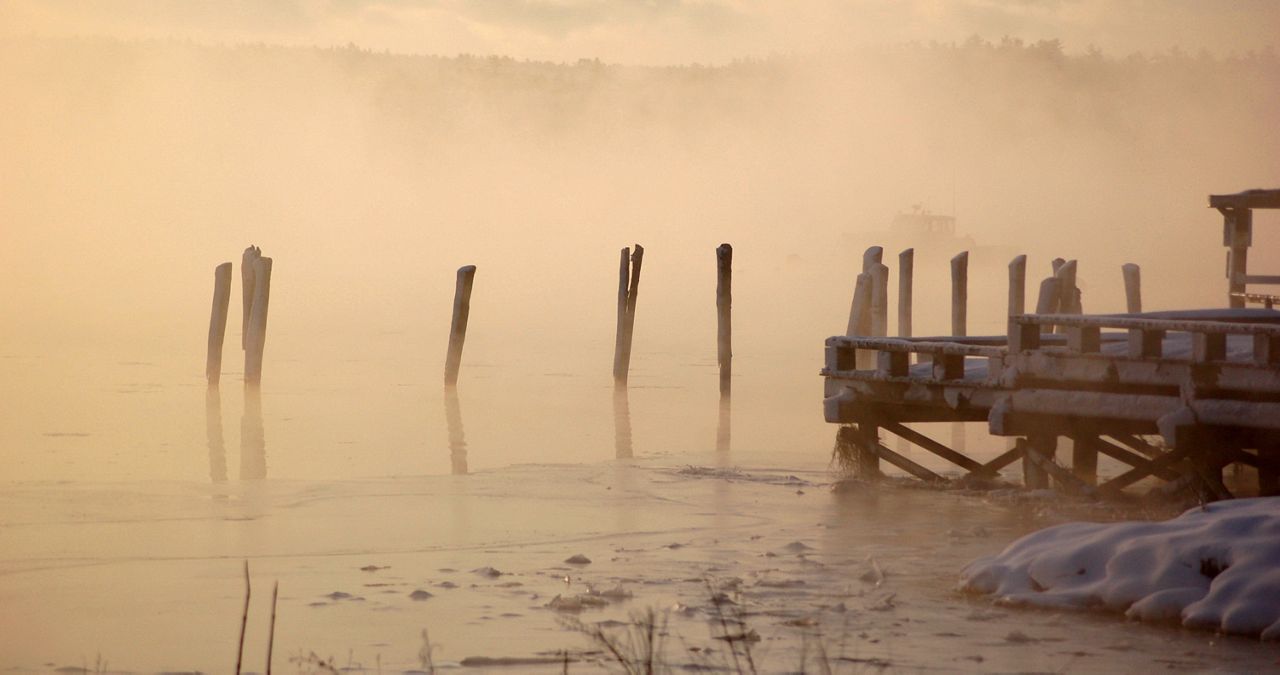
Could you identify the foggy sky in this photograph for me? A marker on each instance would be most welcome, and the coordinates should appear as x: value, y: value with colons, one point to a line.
x: 659, y: 31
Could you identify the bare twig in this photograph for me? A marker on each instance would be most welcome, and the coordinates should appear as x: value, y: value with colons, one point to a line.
x: 271, y: 633
x: 244, y: 618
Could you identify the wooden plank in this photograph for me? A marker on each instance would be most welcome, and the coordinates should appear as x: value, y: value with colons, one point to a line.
x: 1139, y: 445
x: 1166, y: 461
x: 919, y: 439
x: 905, y: 464
x: 1133, y: 459
x: 1140, y: 323
x: 1249, y: 199
x: 1004, y: 459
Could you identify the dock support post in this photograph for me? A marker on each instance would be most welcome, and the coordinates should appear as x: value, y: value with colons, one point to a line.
x: 1047, y: 300
x: 257, y: 337
x: 218, y: 322
x: 1237, y: 235
x: 1084, y: 458
x: 906, y: 268
x: 458, y: 326
x: 1044, y: 446
x: 724, y: 317
x: 960, y: 294
x: 1017, y: 286
x: 1132, y: 288
x: 879, y: 300
x: 860, y: 319
x: 1068, y: 292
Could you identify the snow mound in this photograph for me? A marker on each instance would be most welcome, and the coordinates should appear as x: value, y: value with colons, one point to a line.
x: 1214, y: 567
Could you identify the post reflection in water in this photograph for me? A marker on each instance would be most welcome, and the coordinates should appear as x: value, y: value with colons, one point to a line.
x: 722, y: 427
x: 253, y: 440
x: 621, y: 424
x: 457, y: 435
x: 213, y: 432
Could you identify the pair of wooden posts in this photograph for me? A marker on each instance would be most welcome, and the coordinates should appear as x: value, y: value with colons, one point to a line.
x: 628, y: 288
x: 255, y: 277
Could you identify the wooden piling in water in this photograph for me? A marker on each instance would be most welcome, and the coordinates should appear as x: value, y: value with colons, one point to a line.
x: 960, y: 294
x: 624, y: 274
x: 724, y: 324
x: 628, y: 291
x: 218, y: 322
x: 257, y: 332
x: 906, y: 268
x: 1132, y: 288
x: 458, y: 325
x: 247, y: 269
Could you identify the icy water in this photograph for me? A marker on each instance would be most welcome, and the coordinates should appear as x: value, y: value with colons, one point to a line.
x: 133, y: 495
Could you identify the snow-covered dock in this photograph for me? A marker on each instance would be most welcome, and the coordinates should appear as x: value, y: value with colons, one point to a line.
x: 1207, y: 382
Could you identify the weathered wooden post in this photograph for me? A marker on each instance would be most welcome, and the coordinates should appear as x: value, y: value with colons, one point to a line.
x: 879, y: 300
x: 247, y: 269
x: 1084, y: 458
x: 218, y: 322
x: 1047, y: 300
x: 1132, y: 288
x: 1037, y: 450
x: 960, y: 294
x: 628, y: 291
x: 258, y: 320
x: 1068, y: 293
x: 906, y: 268
x: 458, y: 326
x: 872, y: 256
x: 724, y: 325
x: 1057, y: 264
x: 1017, y: 286
x: 860, y: 319
x: 624, y: 274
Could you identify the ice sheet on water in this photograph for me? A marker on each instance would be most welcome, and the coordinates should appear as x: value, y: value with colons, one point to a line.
x: 1215, y: 567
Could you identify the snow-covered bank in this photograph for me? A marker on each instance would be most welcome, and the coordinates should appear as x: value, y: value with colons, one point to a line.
x: 1215, y: 567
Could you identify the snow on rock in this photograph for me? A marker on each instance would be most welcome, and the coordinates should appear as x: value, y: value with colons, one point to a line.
x: 1214, y: 567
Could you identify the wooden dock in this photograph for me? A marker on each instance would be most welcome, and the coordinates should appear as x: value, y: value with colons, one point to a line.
x: 1177, y: 396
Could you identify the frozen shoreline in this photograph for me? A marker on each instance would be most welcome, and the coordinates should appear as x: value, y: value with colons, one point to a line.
x: 148, y: 575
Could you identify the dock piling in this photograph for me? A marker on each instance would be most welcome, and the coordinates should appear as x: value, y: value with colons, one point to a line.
x: 458, y: 325
x: 218, y: 322
x: 628, y: 291
x: 906, y: 268
x: 1132, y: 288
x: 247, y: 270
x: 879, y: 300
x: 724, y: 323
x: 257, y: 331
x: 960, y: 294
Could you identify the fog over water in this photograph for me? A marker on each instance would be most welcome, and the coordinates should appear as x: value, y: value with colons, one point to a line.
x: 133, y: 168
x: 372, y: 148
